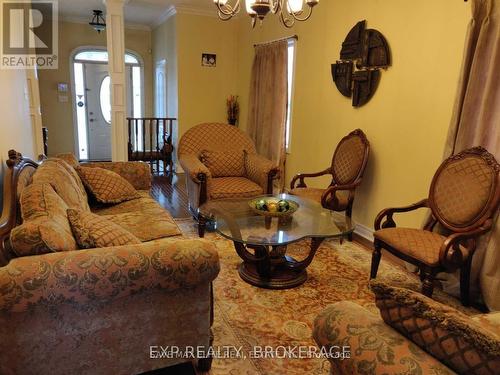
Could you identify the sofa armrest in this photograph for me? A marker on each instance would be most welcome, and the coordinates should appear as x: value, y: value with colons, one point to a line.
x: 260, y: 170
x: 83, y: 276
x: 193, y: 167
x: 370, y: 342
x: 137, y: 173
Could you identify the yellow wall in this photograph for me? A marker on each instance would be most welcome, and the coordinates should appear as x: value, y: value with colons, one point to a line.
x: 58, y: 117
x: 15, y: 130
x: 407, y: 119
x: 203, y: 90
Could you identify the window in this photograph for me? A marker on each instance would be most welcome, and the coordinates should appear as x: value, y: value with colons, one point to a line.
x: 291, y: 74
x: 105, y: 99
x: 102, y: 56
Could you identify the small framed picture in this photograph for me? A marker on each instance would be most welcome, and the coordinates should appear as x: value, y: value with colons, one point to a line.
x: 209, y: 59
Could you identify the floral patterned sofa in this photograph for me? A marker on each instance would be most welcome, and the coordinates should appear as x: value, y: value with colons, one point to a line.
x: 101, y: 310
x: 412, y: 335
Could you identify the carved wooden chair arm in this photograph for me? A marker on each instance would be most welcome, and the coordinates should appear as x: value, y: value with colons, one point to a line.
x: 388, y: 212
x: 330, y: 192
x: 302, y: 176
x: 458, y: 247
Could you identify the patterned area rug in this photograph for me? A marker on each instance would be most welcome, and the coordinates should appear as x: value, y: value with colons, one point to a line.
x: 246, y: 316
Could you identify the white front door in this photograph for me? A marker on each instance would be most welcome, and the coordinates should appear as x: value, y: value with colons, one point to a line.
x: 97, y: 87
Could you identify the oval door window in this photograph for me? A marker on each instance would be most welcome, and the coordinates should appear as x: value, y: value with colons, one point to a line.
x: 105, y: 96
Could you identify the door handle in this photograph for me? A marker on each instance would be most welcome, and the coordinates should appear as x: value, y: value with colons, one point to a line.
x: 91, y: 120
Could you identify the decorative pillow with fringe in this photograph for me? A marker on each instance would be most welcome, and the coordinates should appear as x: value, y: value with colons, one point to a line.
x: 447, y: 334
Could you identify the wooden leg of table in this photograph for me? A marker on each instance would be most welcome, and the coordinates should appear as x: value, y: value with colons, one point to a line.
x: 202, y: 224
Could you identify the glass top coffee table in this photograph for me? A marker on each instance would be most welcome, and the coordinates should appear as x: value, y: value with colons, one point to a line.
x: 262, y: 241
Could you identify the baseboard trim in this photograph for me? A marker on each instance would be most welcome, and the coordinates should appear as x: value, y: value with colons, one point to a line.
x: 363, y: 235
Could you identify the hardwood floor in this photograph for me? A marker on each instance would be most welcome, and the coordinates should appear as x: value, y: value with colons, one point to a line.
x: 170, y: 192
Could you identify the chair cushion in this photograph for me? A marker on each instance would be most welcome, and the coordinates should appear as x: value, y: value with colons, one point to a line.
x: 446, y: 333
x: 315, y: 194
x: 45, y: 225
x: 417, y: 243
x: 233, y: 187
x: 348, y: 159
x: 224, y: 163
x: 107, y: 186
x: 66, y: 183
x: 462, y: 189
x: 94, y: 231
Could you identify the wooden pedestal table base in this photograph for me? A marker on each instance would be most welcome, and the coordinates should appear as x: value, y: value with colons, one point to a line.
x: 269, y: 267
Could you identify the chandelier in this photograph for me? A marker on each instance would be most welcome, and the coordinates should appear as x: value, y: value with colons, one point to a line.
x: 289, y: 10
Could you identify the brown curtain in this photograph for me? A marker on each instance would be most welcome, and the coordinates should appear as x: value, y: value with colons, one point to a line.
x: 475, y: 121
x: 268, y: 102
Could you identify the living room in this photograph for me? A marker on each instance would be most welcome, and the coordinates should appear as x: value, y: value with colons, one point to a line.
x: 414, y: 88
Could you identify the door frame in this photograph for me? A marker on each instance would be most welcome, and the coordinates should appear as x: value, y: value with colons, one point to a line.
x: 74, y: 52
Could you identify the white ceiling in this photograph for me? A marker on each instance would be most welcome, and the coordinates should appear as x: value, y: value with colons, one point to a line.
x: 137, y: 12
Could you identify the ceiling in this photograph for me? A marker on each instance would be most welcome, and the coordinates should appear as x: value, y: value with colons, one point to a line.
x: 137, y: 12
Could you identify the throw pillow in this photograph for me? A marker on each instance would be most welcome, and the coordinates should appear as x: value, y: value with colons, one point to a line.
x: 40, y: 236
x: 107, y: 186
x: 224, y: 163
x: 66, y: 183
x: 45, y: 227
x: 68, y: 158
x: 94, y: 231
x: 447, y: 334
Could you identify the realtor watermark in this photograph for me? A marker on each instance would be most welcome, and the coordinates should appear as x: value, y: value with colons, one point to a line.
x: 256, y: 352
x: 29, y: 34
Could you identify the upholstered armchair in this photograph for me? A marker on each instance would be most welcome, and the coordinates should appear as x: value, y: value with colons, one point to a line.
x: 220, y: 161
x: 463, y: 199
x: 347, y: 168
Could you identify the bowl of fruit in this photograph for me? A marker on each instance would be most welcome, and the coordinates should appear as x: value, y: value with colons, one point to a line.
x: 273, y: 207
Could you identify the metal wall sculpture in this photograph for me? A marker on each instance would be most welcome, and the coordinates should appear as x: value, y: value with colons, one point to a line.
x: 357, y: 74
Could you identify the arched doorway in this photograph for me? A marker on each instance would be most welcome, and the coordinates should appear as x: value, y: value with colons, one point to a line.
x: 91, y: 94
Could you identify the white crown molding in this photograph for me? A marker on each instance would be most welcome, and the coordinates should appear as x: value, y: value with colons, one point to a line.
x: 171, y: 11
x: 364, y: 232
x: 184, y: 9
x: 84, y: 20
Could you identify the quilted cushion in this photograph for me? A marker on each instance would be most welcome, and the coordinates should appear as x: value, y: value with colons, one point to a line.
x: 348, y: 159
x: 60, y: 175
x: 94, y: 231
x: 107, y: 186
x: 45, y: 225
x: 447, y: 334
x: 315, y: 194
x: 224, y: 163
x: 233, y: 187
x: 462, y: 188
x: 417, y: 243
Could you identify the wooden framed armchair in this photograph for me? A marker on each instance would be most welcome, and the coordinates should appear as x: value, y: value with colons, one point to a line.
x: 233, y: 169
x: 347, y: 168
x: 463, y: 199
